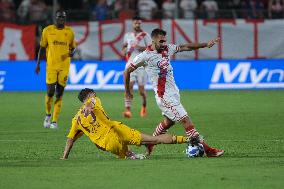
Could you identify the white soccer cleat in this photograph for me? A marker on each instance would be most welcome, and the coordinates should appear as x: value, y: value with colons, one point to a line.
x: 46, y: 122
x: 134, y: 156
x: 140, y: 156
x: 53, y: 125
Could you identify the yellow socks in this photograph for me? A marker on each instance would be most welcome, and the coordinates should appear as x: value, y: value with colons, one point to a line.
x: 179, y: 139
x: 57, y: 109
x: 48, y: 104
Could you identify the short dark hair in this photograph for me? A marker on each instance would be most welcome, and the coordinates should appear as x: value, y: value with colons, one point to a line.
x: 84, y: 93
x: 157, y: 32
x: 136, y: 18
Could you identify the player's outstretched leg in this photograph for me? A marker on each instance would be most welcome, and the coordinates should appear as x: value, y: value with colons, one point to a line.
x: 163, y: 139
x: 162, y: 128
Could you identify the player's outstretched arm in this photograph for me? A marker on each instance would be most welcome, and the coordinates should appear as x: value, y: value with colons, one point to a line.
x: 194, y: 46
x: 37, y: 70
x: 68, y: 147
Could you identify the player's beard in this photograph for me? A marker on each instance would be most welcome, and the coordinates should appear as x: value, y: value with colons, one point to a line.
x: 137, y: 29
x: 159, y: 48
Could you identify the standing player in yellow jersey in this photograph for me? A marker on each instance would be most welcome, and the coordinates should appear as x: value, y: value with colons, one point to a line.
x: 108, y: 135
x: 59, y: 42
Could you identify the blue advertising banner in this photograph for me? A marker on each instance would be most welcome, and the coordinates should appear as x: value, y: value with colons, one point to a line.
x: 108, y: 75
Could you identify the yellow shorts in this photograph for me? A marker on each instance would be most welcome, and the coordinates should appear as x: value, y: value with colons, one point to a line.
x: 57, y: 76
x: 119, y: 137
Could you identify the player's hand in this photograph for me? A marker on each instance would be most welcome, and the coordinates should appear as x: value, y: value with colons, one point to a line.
x: 213, y: 42
x: 64, y: 56
x: 37, y: 70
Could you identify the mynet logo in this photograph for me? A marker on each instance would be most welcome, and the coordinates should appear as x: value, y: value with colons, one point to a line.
x: 2, y: 79
x: 95, y: 77
x: 243, y: 76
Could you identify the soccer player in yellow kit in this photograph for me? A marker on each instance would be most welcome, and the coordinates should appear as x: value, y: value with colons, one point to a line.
x: 108, y: 135
x: 59, y: 42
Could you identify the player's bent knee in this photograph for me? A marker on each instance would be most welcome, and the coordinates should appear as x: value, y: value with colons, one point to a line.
x: 59, y: 91
x: 50, y: 90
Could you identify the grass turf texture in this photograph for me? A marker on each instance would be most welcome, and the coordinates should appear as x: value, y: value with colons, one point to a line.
x: 247, y: 124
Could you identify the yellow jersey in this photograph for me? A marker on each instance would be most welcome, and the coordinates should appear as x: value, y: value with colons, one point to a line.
x: 92, y: 120
x: 57, y: 42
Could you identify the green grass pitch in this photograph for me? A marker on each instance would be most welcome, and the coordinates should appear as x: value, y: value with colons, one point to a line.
x: 248, y: 125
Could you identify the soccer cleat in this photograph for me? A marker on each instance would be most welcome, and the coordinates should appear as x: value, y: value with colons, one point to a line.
x: 53, y: 125
x: 194, y: 140
x: 127, y: 114
x: 213, y: 152
x: 46, y: 122
x: 132, y: 155
x: 149, y: 148
x: 140, y: 156
x: 143, y: 111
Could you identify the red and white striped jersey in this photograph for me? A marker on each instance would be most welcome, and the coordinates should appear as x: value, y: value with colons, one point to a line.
x: 133, y: 40
x: 159, y: 70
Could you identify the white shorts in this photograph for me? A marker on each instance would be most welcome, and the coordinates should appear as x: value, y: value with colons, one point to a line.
x: 171, y: 108
x: 139, y: 75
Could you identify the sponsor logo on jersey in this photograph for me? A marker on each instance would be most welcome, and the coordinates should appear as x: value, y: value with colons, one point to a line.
x: 59, y: 43
x: 164, y: 64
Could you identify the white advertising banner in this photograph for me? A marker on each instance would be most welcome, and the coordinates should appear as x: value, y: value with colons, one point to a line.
x: 240, y: 39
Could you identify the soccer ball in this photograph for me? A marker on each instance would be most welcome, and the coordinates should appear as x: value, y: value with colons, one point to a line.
x: 194, y: 150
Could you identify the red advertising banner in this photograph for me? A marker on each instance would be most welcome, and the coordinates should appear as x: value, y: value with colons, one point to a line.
x: 17, y: 42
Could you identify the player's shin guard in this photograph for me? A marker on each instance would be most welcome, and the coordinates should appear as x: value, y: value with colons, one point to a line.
x: 48, y: 104
x: 57, y: 109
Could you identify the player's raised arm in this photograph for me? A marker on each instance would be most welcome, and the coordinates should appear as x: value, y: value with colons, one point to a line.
x: 194, y: 46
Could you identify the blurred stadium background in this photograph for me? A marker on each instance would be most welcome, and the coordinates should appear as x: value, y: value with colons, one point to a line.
x: 246, y: 119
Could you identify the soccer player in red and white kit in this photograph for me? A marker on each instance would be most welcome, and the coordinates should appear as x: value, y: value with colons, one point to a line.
x: 134, y: 43
x: 156, y: 60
